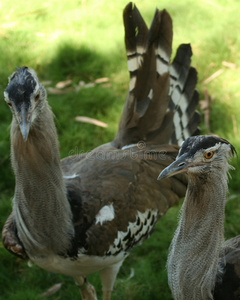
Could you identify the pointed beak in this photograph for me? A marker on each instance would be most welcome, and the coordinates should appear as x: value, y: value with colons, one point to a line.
x: 178, y: 166
x: 24, y: 121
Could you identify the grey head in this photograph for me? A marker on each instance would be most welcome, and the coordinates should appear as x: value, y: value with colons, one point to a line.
x: 201, y: 154
x: 25, y: 97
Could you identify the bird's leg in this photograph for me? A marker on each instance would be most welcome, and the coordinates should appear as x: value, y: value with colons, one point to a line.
x: 108, y: 277
x: 107, y: 295
x: 86, y: 289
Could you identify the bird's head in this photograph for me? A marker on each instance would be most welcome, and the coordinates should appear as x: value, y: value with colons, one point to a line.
x: 201, y: 155
x: 25, y: 97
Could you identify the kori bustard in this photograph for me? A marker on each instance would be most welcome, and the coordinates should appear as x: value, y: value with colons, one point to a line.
x: 84, y: 214
x: 199, y: 259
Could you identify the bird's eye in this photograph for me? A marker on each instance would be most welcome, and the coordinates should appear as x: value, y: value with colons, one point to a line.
x: 37, y: 97
x: 208, y: 155
x: 9, y: 104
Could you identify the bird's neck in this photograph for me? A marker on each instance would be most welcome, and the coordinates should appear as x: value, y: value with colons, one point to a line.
x: 41, y: 209
x: 196, y: 250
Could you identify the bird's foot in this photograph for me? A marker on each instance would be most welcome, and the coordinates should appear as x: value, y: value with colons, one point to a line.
x: 86, y: 289
x: 10, y: 240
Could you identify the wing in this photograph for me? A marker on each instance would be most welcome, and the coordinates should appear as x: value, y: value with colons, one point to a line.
x: 116, y: 199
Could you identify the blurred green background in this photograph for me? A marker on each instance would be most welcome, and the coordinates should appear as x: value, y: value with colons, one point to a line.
x: 82, y: 41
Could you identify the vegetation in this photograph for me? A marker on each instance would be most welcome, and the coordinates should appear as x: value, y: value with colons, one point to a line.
x: 83, y: 41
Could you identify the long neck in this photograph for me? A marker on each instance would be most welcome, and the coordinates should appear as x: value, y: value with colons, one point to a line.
x: 42, y: 212
x: 197, y: 246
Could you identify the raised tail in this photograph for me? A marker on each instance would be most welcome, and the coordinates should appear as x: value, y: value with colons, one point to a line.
x: 161, y: 101
x: 183, y: 96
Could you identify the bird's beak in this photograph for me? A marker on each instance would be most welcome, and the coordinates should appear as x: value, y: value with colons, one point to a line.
x: 24, y: 121
x: 178, y: 166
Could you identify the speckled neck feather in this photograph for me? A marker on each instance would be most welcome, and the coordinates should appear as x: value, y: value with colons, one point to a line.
x: 42, y: 212
x: 195, y: 258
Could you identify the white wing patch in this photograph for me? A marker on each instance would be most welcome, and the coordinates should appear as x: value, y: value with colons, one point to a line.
x: 105, y: 214
x: 70, y: 176
x: 150, y: 95
x: 128, y: 146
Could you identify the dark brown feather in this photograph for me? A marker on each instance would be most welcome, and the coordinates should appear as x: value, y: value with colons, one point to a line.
x: 126, y: 179
x: 229, y: 286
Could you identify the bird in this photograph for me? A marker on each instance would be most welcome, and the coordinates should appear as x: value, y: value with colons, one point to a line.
x: 86, y: 212
x: 197, y: 254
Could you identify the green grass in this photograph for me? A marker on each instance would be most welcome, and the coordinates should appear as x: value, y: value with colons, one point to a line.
x: 83, y: 41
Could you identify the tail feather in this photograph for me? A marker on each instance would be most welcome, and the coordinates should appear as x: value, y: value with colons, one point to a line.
x: 161, y: 101
x: 191, y: 110
x: 179, y: 71
x: 193, y: 115
x: 161, y: 34
x: 180, y: 66
x: 135, y: 40
x: 193, y: 124
x: 184, y: 97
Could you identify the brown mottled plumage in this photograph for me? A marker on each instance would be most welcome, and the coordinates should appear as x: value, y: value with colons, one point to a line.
x: 85, y: 213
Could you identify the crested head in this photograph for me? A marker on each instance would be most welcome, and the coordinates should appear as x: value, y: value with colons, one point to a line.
x: 23, y: 87
x: 205, y: 143
x: 201, y: 155
x: 25, y: 96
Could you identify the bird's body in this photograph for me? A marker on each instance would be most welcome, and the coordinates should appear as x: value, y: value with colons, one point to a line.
x: 197, y: 252
x: 85, y: 213
x: 103, y: 235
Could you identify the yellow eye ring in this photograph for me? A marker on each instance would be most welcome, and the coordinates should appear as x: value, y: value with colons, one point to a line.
x: 208, y: 155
